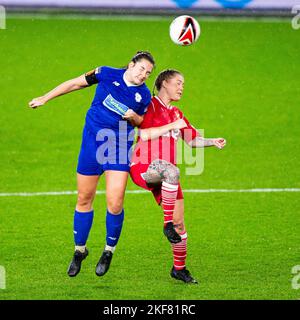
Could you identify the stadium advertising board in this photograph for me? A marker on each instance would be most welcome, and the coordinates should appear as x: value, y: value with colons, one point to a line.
x: 239, y: 4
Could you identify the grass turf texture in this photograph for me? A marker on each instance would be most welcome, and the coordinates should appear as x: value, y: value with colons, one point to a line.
x: 242, y: 82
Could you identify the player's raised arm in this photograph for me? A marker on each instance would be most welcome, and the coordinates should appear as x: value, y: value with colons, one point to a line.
x: 80, y: 82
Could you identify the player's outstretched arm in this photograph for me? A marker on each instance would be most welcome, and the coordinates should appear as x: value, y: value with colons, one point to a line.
x: 200, y: 142
x: 155, y: 132
x: 66, y: 87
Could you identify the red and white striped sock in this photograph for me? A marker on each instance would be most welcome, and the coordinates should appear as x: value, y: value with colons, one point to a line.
x: 179, y: 252
x: 169, y: 195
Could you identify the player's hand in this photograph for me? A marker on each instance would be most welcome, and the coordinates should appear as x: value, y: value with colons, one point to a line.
x: 130, y: 115
x: 220, y: 143
x: 37, y: 102
x: 133, y: 117
x: 179, y: 124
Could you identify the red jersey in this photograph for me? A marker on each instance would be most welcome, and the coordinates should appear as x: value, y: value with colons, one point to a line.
x: 164, y: 147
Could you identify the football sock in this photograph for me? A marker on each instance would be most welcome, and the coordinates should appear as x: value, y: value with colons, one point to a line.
x: 109, y: 248
x: 169, y: 195
x: 179, y: 252
x: 80, y: 248
x: 114, y: 223
x: 82, y: 226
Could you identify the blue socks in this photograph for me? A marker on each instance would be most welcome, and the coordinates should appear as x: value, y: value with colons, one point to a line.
x: 82, y: 226
x: 83, y: 223
x: 114, y: 223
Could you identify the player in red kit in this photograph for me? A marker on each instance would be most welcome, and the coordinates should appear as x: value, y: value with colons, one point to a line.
x: 153, y: 164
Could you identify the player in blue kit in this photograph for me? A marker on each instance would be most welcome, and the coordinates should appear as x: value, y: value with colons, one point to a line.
x: 120, y: 101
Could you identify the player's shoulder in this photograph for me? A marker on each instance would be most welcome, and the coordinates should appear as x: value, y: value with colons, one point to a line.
x: 156, y: 102
x: 143, y: 88
x: 153, y: 104
x: 177, y: 110
x: 143, y: 94
x: 149, y: 109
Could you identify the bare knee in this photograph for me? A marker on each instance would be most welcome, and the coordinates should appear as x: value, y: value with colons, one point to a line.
x: 85, y: 201
x: 115, y: 206
x: 163, y: 171
x: 171, y: 174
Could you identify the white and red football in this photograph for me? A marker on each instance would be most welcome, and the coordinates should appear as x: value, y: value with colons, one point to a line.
x: 184, y: 30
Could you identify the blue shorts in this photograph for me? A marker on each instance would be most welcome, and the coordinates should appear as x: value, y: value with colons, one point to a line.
x: 101, y: 152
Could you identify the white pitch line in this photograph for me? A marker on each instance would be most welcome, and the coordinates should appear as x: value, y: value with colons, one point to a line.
x: 242, y: 190
x: 62, y: 193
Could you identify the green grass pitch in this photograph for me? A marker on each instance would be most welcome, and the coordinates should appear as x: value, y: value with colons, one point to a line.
x: 242, y: 82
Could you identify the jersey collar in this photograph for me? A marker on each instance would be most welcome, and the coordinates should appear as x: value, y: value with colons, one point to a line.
x: 162, y: 103
x: 128, y: 84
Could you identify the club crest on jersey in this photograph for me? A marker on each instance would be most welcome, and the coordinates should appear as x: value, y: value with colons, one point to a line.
x: 138, y: 97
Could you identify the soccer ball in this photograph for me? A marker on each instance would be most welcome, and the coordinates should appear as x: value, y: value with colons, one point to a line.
x: 184, y: 30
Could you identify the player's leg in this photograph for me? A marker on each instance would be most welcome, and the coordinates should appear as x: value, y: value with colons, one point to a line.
x: 165, y: 173
x: 116, y: 182
x: 83, y: 219
x: 179, y: 250
x: 86, y: 186
x: 88, y: 172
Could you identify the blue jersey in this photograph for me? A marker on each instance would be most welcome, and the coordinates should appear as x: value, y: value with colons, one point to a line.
x: 113, y: 98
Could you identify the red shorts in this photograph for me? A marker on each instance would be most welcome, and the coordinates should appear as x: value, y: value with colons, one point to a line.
x: 137, y: 171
